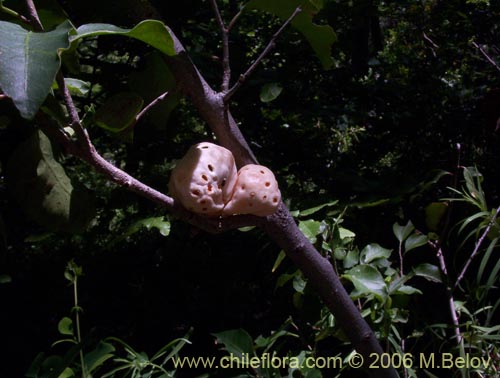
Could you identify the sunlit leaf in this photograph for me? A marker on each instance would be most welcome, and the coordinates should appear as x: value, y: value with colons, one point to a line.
x: 29, y: 63
x: 152, y: 32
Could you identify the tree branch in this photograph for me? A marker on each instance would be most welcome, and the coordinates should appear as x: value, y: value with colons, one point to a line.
x: 263, y: 54
x: 490, y: 59
x: 226, y: 75
x: 33, y: 16
x: 149, y: 106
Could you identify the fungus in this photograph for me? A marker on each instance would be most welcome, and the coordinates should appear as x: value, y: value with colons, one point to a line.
x: 203, y: 179
x: 255, y: 192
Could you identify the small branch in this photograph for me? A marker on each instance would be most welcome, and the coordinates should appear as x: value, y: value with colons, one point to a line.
x: 3, y: 97
x: 235, y: 18
x: 226, y: 75
x: 486, y: 55
x: 13, y: 13
x: 33, y: 16
x: 476, y: 248
x: 148, y: 107
x: 449, y: 292
x: 263, y: 54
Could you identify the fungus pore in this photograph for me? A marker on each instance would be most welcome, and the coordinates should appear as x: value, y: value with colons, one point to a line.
x: 255, y: 192
x: 204, y: 178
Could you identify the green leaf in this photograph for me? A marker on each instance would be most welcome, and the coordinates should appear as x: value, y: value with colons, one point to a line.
x: 415, y: 241
x: 65, y: 326
x: 152, y: 32
x: 374, y: 252
x: 270, y: 92
x: 97, y: 357
x: 44, y: 191
x: 311, y: 229
x: 119, y: 111
x: 278, y: 261
x: 344, y: 233
x: 320, y: 37
x: 351, y: 259
x: 5, y: 278
x: 237, y: 341
x: 29, y: 63
x: 407, y: 290
x: 434, y: 212
x: 76, y: 87
x: 162, y: 225
x: 315, y: 209
x: 299, y: 283
x: 402, y: 232
x: 428, y: 271
x: 367, y: 281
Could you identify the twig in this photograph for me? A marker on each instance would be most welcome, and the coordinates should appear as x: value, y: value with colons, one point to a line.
x: 262, y: 55
x: 226, y: 75
x: 235, y: 18
x: 486, y: 55
x: 148, y: 107
x: 476, y: 248
x: 449, y: 291
x: 13, y: 13
x: 34, y: 19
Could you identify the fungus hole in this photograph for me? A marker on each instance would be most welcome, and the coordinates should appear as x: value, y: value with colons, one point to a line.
x: 265, y: 197
x: 268, y: 183
x: 242, y: 187
x: 204, y: 177
x: 196, y: 192
x: 275, y: 199
x: 210, y: 168
x: 252, y: 194
x: 209, y: 188
x: 263, y: 172
x: 203, y: 202
x: 204, y: 147
x: 223, y: 184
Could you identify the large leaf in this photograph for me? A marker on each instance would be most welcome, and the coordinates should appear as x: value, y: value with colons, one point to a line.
x: 119, y: 111
x: 44, y: 191
x: 236, y: 341
x: 374, y: 252
x: 152, y: 32
x: 367, y: 281
x: 320, y: 37
x: 29, y: 63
